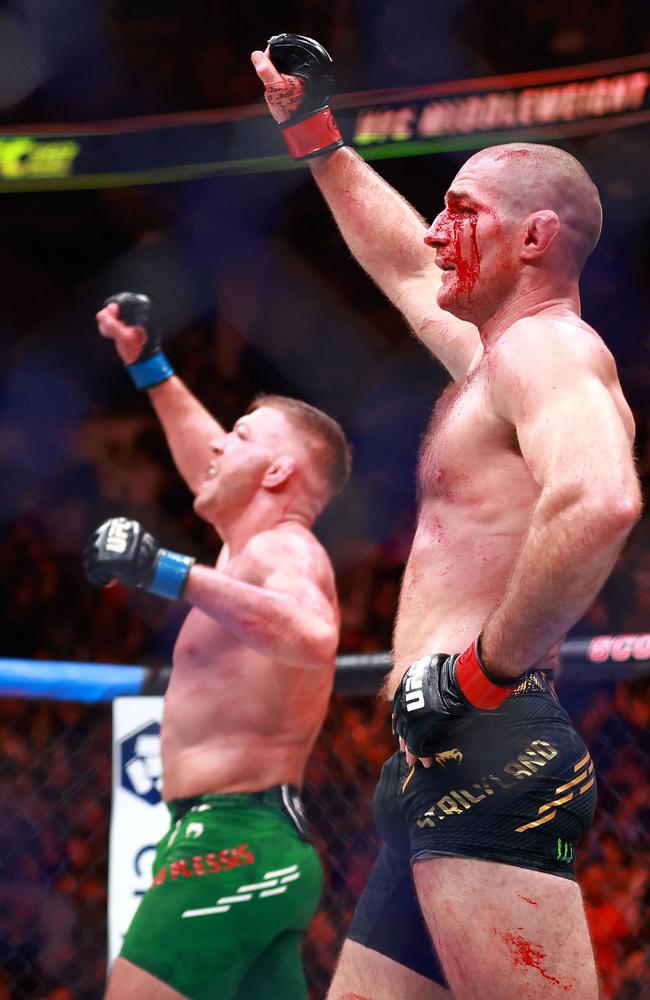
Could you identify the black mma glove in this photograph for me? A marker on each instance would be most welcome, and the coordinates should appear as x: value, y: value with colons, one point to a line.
x: 436, y: 688
x: 151, y: 366
x: 311, y: 130
x: 119, y: 549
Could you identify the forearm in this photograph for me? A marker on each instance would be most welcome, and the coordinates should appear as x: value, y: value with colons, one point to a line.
x: 272, y: 622
x: 188, y: 426
x: 563, y: 563
x: 383, y: 231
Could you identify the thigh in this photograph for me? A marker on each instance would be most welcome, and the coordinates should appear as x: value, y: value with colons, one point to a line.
x: 364, y: 974
x: 504, y: 932
x: 128, y: 982
x: 388, y: 922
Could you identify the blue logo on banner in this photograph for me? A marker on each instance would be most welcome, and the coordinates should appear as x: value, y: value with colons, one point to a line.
x: 140, y: 763
x: 143, y: 869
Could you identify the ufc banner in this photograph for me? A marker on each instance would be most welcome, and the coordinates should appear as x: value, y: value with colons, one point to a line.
x: 139, y: 817
x: 539, y: 105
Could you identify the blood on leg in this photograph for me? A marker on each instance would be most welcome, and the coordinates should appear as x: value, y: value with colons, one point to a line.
x: 504, y: 932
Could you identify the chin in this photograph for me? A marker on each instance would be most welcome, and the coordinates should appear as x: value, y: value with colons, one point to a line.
x: 200, y: 505
x: 455, y: 303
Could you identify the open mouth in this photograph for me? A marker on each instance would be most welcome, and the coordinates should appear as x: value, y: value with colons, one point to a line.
x: 210, y: 475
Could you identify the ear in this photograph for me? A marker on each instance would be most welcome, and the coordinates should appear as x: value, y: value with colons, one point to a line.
x: 278, y: 472
x: 541, y: 229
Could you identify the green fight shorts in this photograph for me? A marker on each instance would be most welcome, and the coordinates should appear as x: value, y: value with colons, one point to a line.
x: 236, y: 883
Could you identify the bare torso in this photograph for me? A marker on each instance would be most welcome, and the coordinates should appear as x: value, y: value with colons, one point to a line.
x: 235, y: 720
x: 476, y: 496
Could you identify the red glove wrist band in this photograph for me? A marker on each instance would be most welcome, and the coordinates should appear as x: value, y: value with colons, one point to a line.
x: 474, y: 683
x: 313, y: 135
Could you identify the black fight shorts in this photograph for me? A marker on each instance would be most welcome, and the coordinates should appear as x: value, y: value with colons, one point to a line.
x: 516, y: 786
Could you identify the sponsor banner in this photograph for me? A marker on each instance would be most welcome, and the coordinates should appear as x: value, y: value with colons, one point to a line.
x: 463, y: 114
x: 139, y: 818
x: 548, y: 102
x: 619, y: 648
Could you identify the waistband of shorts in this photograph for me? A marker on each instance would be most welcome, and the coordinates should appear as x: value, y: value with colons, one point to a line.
x: 536, y: 682
x: 275, y: 797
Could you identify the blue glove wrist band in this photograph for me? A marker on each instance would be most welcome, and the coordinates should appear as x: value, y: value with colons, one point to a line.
x: 170, y: 577
x: 150, y: 372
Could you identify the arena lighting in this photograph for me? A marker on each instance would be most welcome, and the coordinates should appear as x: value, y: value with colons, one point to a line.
x: 459, y: 115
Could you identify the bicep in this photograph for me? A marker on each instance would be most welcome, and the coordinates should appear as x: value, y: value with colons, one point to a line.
x: 302, y: 587
x: 451, y: 340
x: 386, y: 235
x: 293, y: 567
x: 573, y: 435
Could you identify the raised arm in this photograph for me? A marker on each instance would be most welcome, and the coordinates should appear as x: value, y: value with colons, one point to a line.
x: 188, y: 426
x: 558, y: 387
x: 386, y: 235
x: 383, y: 231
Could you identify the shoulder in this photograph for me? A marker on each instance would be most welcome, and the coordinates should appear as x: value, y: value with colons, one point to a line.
x: 537, y: 347
x: 541, y: 356
x: 291, y: 546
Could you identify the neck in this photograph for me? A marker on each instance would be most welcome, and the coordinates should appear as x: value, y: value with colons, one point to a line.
x: 263, y: 513
x: 526, y: 303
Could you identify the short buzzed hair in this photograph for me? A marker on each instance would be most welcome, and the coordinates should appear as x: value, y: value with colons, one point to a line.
x: 542, y: 176
x: 327, y: 443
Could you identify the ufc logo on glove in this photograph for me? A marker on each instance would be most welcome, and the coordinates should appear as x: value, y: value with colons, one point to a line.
x: 117, y: 538
x: 413, y: 684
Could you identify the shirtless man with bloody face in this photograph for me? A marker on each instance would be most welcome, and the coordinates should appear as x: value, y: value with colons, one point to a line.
x: 528, y: 490
x: 236, y: 879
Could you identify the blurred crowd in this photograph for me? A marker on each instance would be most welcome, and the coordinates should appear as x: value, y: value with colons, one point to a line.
x: 77, y: 444
x: 141, y: 57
